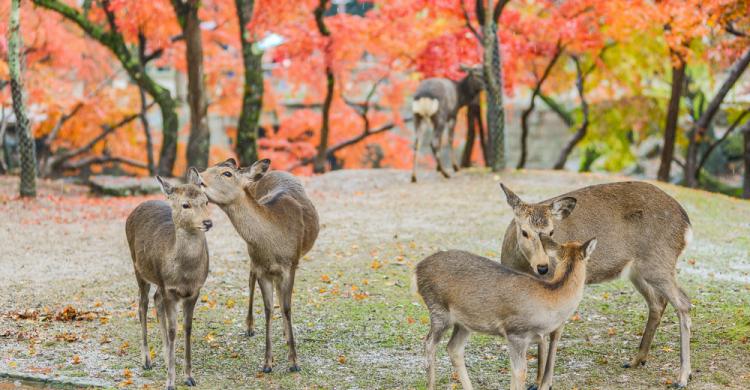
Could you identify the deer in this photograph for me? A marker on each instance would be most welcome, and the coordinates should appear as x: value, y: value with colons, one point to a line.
x: 643, y: 232
x: 167, y: 243
x: 437, y: 101
x: 476, y: 294
x: 279, y: 223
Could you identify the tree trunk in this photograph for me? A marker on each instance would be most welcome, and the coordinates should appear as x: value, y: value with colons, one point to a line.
x: 701, y: 126
x: 26, y: 141
x: 144, y: 108
x: 246, y: 146
x: 673, y: 113
x: 200, y: 137
x: 492, y: 64
x: 3, y: 127
x: 746, y: 177
x: 319, y: 165
x: 115, y: 42
x: 583, y: 128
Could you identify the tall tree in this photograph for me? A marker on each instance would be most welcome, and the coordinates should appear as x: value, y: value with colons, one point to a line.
x: 746, y: 175
x: 673, y: 113
x: 113, y: 39
x: 488, y: 15
x: 199, y: 140
x: 26, y: 141
x: 319, y: 165
x: 246, y: 146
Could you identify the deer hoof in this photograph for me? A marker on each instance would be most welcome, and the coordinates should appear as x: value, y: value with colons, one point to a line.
x: 189, y: 381
x: 294, y: 368
x: 250, y: 333
x: 631, y: 365
x: 678, y: 386
x: 413, y: 179
x: 455, y: 168
x: 266, y: 369
x: 170, y: 388
x: 532, y: 387
x: 147, y: 366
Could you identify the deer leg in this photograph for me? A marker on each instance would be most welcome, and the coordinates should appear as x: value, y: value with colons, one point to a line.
x: 417, y: 139
x: 517, y: 347
x: 549, y: 367
x: 187, y: 322
x: 542, y: 348
x: 160, y: 317
x: 285, y: 295
x: 170, y: 313
x: 250, y: 319
x: 436, y: 146
x: 143, y: 289
x: 656, y: 305
x: 680, y: 301
x: 456, y: 347
x: 266, y: 290
x: 451, y: 133
x: 438, y: 324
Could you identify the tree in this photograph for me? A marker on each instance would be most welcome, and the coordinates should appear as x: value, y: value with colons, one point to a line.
x: 746, y: 157
x: 492, y: 64
x: 252, y: 90
x: 112, y: 38
x: 26, y: 141
x: 199, y: 139
x: 320, y: 159
x: 673, y: 112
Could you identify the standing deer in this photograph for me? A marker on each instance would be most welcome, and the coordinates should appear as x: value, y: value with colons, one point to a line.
x: 473, y: 293
x: 168, y: 245
x: 437, y: 101
x: 272, y: 213
x: 643, y: 232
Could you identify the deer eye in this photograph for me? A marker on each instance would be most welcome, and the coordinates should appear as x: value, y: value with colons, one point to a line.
x: 185, y: 205
x: 551, y: 233
x: 525, y: 235
x: 227, y: 174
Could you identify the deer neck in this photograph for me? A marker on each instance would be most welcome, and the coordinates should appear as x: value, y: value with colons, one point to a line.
x: 465, y: 92
x: 189, y: 245
x: 249, y: 218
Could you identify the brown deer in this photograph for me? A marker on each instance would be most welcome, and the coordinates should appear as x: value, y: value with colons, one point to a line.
x: 437, y: 101
x: 473, y: 293
x: 272, y: 213
x: 168, y: 245
x: 643, y: 232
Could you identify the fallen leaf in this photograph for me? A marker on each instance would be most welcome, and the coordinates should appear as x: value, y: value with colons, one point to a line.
x: 76, y: 359
x: 342, y: 359
x: 375, y: 264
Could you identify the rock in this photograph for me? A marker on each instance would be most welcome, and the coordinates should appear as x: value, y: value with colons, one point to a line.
x: 123, y: 185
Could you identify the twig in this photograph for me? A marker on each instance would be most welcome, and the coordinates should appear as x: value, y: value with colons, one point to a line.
x: 721, y: 139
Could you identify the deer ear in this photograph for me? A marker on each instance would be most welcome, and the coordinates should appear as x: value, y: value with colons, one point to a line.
x: 256, y: 171
x: 230, y: 162
x: 194, y: 177
x: 166, y: 188
x: 561, y: 208
x: 588, y: 248
x: 513, y: 200
x: 551, y: 248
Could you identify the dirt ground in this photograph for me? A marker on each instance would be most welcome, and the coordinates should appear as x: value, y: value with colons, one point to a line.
x: 68, y: 295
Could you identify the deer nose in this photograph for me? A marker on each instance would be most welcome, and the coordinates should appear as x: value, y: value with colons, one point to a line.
x: 208, y: 224
x: 542, y: 269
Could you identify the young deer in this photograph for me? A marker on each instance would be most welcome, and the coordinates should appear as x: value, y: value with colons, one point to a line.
x: 473, y: 293
x: 168, y: 245
x: 643, y: 232
x: 272, y: 213
x: 437, y: 101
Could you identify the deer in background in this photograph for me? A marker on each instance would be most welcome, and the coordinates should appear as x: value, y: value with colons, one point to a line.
x: 642, y: 230
x: 168, y: 245
x: 473, y: 293
x: 273, y: 214
x: 437, y: 101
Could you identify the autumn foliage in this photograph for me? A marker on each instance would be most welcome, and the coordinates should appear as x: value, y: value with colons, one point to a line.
x: 76, y: 86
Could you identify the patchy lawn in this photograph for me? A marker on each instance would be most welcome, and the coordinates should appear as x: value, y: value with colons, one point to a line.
x: 356, y: 321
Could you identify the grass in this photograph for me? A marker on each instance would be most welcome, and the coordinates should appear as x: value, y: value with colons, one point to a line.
x: 357, y: 323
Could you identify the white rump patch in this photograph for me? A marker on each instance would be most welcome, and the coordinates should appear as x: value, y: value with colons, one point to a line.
x: 424, y: 106
x: 625, y: 273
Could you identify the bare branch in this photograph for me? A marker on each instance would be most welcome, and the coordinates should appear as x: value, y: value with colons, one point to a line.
x: 721, y: 139
x: 732, y: 30
x: 60, y: 122
x: 86, y: 161
x: 468, y: 22
x: 583, y: 128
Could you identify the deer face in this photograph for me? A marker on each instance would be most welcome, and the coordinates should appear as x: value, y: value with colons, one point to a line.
x: 225, y: 183
x: 189, y: 204
x: 532, y: 222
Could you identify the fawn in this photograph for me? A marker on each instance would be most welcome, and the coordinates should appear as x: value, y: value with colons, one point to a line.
x: 473, y: 293
x: 168, y: 245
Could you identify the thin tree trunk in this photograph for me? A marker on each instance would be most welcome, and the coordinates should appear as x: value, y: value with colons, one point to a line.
x: 532, y: 103
x: 200, y: 137
x: 246, y: 146
x: 746, y: 176
x: 701, y: 126
x: 319, y: 164
x: 581, y: 132
x: 673, y: 113
x: 26, y: 141
x: 115, y: 42
x: 3, y: 127
x: 492, y: 65
x: 144, y: 107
